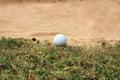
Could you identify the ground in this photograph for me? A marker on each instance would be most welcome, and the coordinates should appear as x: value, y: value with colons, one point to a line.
x: 78, y: 20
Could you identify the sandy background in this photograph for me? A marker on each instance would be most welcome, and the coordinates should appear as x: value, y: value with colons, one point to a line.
x: 79, y: 20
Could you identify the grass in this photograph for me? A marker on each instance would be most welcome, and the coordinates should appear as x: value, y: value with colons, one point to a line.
x: 23, y: 59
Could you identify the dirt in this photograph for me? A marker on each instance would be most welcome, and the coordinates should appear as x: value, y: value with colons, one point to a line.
x: 80, y: 20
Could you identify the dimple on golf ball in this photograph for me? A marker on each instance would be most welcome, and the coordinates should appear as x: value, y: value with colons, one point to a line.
x: 59, y: 40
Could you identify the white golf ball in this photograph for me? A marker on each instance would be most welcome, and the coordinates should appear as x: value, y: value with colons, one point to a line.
x: 59, y: 40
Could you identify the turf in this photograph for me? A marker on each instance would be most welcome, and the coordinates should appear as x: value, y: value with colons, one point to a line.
x: 23, y: 59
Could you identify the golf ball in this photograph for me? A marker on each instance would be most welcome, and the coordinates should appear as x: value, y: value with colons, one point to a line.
x: 59, y: 40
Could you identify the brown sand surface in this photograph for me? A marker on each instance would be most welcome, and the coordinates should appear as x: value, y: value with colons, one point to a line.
x: 78, y: 20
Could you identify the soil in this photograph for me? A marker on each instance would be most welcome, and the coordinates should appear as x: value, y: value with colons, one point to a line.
x: 78, y: 20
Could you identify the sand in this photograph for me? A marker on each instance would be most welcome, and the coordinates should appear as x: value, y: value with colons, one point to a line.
x: 79, y: 20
